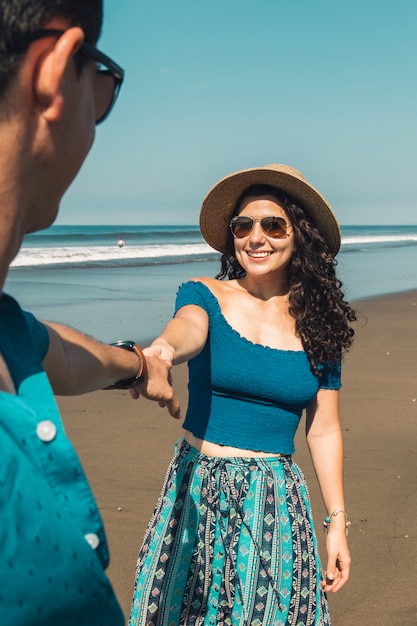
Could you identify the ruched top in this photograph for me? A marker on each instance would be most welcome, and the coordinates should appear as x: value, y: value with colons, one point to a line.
x: 243, y: 394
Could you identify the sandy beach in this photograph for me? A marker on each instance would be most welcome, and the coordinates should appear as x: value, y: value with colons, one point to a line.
x: 125, y: 447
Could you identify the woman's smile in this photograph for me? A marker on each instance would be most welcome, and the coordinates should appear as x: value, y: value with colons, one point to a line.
x: 257, y: 254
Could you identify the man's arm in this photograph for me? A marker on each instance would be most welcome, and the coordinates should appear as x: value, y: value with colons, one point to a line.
x: 76, y: 364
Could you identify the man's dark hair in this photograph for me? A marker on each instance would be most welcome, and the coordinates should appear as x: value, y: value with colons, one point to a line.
x: 19, y: 18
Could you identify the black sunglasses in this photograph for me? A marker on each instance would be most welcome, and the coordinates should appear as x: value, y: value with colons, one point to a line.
x: 109, y: 75
x: 275, y: 227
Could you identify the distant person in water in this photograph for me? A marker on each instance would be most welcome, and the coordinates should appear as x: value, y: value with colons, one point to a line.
x: 120, y: 243
x: 55, y: 86
x: 232, y: 538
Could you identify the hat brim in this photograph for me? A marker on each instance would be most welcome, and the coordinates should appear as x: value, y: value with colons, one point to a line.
x: 220, y: 202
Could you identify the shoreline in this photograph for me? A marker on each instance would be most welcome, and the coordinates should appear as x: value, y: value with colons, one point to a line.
x: 112, y: 303
x: 125, y: 447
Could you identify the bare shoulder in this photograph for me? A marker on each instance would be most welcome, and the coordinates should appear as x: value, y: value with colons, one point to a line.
x: 216, y: 286
x: 206, y: 280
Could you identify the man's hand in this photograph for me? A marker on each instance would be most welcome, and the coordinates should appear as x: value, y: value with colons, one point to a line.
x: 158, y: 385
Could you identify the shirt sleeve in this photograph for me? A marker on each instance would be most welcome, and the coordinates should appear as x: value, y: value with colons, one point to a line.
x: 192, y: 293
x: 330, y: 375
x: 38, y: 333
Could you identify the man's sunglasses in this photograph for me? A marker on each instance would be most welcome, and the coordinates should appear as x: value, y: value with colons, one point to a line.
x: 275, y: 227
x: 109, y: 75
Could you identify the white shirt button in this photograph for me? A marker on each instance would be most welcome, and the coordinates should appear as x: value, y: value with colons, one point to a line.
x: 46, y: 430
x: 93, y: 540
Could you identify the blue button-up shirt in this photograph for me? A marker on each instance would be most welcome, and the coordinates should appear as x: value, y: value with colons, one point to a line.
x: 53, y: 549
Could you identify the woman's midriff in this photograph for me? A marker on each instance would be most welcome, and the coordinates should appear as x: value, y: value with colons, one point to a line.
x: 214, y: 449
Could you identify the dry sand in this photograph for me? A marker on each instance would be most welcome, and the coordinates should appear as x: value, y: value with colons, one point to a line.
x: 125, y: 447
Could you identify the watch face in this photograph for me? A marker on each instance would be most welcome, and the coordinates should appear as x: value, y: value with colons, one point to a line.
x: 127, y: 345
x: 128, y: 383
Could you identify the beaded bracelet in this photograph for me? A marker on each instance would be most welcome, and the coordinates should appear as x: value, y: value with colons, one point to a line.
x: 328, y: 519
x: 142, y: 369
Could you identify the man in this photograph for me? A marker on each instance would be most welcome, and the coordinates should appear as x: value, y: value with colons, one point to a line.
x: 55, y: 86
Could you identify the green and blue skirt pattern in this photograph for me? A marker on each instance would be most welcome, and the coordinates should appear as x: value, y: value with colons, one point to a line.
x: 231, y: 542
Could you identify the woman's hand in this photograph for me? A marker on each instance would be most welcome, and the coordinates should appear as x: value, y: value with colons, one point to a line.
x: 162, y: 350
x: 338, y: 558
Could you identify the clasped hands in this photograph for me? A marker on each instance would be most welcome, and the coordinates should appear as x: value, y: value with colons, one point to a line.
x: 157, y: 385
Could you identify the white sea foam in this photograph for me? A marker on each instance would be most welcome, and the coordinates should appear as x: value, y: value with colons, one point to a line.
x: 375, y: 239
x: 28, y: 257
x: 38, y: 256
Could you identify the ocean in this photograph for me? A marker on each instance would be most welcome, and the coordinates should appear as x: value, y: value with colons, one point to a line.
x: 85, y: 277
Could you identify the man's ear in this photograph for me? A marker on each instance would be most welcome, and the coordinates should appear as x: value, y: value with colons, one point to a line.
x: 52, y: 63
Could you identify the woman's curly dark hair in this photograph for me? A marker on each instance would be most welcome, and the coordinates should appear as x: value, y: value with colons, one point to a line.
x: 317, y: 303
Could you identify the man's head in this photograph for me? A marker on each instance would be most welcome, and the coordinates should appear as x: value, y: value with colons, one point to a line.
x: 19, y: 18
x: 55, y: 86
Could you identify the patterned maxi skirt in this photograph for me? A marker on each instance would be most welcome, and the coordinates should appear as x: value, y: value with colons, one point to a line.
x: 231, y: 542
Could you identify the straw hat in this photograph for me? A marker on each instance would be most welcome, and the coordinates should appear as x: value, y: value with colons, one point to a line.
x: 220, y: 202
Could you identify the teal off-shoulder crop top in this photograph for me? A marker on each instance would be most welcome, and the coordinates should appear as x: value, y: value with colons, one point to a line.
x: 244, y: 394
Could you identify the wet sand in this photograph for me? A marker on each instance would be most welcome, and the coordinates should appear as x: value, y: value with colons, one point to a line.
x: 125, y: 447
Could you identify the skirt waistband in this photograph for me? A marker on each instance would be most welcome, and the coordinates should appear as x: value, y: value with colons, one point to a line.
x: 185, y: 448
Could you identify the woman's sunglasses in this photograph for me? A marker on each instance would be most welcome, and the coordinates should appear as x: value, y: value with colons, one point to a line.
x: 275, y: 227
x: 109, y: 76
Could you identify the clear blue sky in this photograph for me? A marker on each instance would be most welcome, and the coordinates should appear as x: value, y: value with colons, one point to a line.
x: 211, y: 87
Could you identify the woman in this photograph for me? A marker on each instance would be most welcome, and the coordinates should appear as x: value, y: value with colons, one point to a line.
x: 232, y: 538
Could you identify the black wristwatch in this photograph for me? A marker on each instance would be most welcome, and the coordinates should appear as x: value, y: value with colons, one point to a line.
x: 128, y: 383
